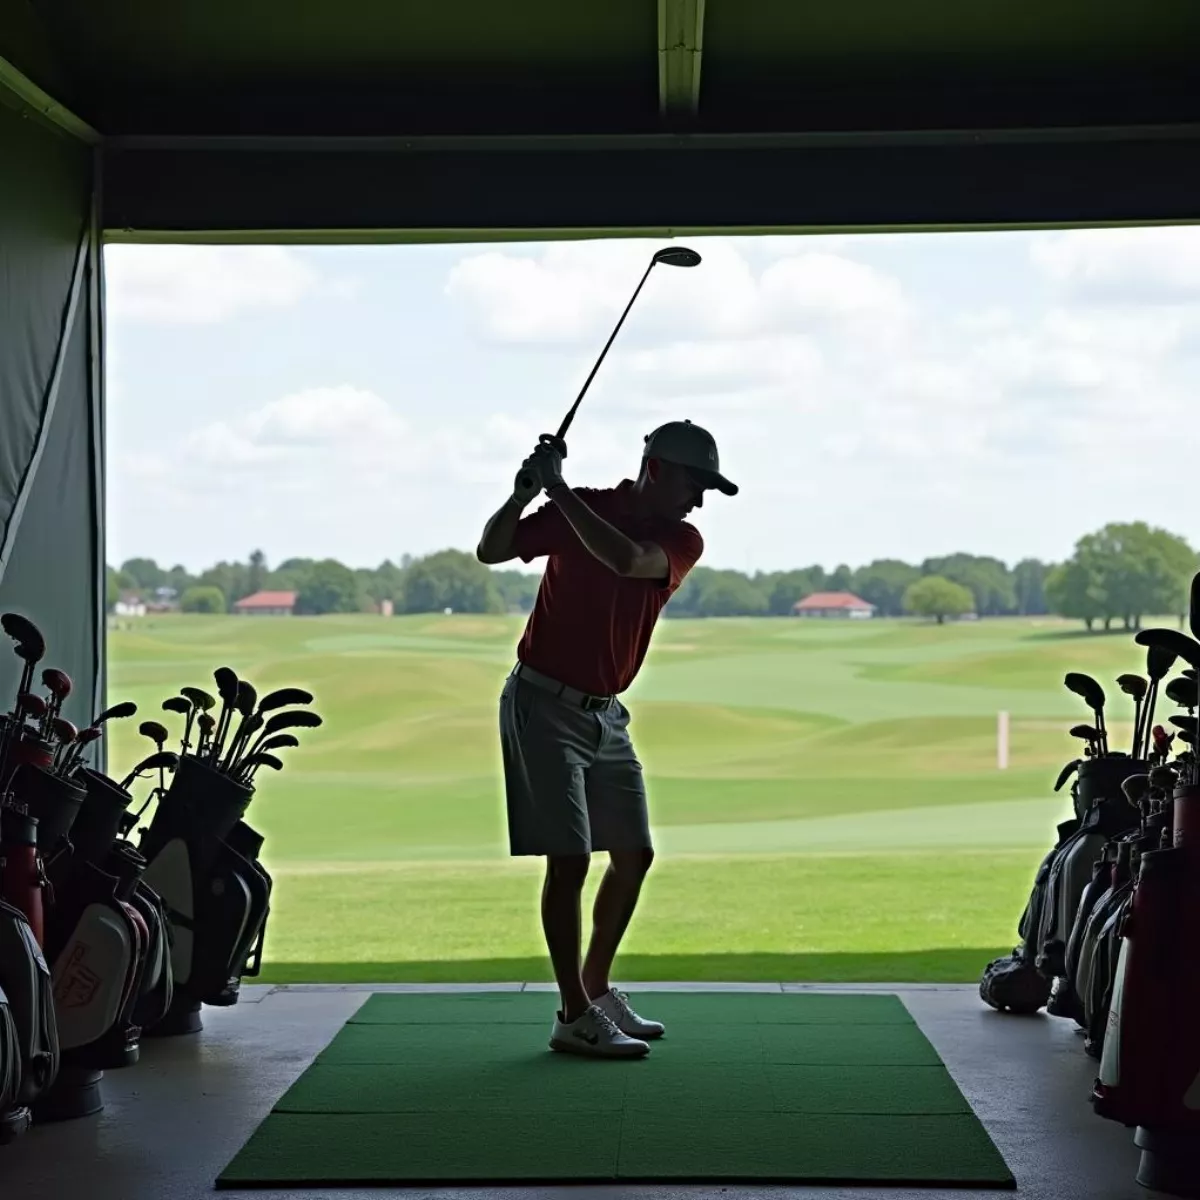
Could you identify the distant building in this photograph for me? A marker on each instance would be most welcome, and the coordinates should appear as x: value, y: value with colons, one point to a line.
x: 129, y: 604
x: 833, y: 604
x: 267, y: 604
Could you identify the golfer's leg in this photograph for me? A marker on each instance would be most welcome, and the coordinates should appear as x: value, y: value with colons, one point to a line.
x: 617, y: 814
x: 561, y: 920
x: 546, y: 749
x: 612, y: 911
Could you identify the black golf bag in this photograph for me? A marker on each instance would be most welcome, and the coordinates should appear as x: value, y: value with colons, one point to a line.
x: 203, y: 862
x: 14, y: 1116
x: 25, y: 980
x: 1014, y: 983
x: 1034, y: 974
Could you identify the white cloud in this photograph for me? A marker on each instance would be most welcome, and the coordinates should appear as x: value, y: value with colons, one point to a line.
x: 575, y: 291
x: 1158, y: 265
x: 202, y: 285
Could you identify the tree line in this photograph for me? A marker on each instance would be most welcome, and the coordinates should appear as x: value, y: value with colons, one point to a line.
x: 1121, y: 573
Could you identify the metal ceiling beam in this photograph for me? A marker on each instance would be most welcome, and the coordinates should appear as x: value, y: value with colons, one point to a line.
x: 465, y: 194
x: 680, y: 46
x: 26, y: 97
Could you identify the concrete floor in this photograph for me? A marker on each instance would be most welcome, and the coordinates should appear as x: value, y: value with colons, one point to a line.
x: 172, y: 1122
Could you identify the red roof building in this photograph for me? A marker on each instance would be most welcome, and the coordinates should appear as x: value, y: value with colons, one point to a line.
x: 271, y: 604
x: 833, y: 604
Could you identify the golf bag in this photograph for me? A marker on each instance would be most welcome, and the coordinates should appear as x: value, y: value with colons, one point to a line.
x: 1033, y: 976
x: 22, y: 873
x: 25, y: 980
x: 1013, y: 983
x: 1107, y: 816
x: 14, y: 1116
x: 203, y: 862
x: 1150, y: 1060
x: 98, y: 944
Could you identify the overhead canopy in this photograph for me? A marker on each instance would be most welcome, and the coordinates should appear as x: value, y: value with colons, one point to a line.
x: 462, y: 117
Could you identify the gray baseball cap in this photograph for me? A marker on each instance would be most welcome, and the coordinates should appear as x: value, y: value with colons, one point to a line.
x: 689, y: 446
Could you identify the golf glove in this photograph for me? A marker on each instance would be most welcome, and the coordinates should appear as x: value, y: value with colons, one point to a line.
x: 528, y: 483
x: 547, y: 460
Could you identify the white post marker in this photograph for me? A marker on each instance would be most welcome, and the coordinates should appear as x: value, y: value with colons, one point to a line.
x: 1002, y: 741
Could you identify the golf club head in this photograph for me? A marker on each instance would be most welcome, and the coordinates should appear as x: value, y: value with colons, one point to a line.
x: 200, y: 699
x: 227, y: 682
x: 1172, y: 641
x: 63, y: 730
x: 155, y: 731
x: 31, y: 646
x: 246, y: 698
x: 177, y: 704
x: 1086, y: 687
x: 56, y: 681
x: 282, y: 697
x: 1133, y: 685
x: 1194, y: 606
x: 1188, y: 724
x: 118, y: 712
x: 1089, y: 733
x: 677, y: 256
x: 1181, y: 691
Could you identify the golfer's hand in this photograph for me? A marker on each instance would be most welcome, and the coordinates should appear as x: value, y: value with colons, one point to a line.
x: 528, y: 484
x: 547, y: 459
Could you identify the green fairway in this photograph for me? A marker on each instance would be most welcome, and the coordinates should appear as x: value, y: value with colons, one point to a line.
x: 825, y: 795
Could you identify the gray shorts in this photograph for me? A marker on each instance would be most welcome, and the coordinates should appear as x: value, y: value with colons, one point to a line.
x: 573, y: 783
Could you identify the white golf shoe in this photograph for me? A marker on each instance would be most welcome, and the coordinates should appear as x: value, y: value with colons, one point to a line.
x: 615, y: 1005
x: 596, y: 1035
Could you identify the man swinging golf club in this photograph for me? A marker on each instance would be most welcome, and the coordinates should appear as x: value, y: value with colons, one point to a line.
x: 573, y: 782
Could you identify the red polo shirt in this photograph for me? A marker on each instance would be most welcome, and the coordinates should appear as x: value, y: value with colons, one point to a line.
x: 590, y: 627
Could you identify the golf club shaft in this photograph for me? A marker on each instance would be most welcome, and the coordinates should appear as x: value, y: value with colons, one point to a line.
x: 566, y: 424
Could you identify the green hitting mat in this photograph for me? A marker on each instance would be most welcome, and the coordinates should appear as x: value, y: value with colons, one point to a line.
x: 749, y: 1087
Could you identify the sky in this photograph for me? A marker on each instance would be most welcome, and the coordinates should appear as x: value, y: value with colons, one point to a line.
x: 874, y: 396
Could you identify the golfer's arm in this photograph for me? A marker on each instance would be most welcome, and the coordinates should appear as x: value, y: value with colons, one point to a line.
x: 496, y: 544
x: 617, y: 552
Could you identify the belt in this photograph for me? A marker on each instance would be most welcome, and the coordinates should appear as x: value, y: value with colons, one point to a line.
x: 584, y: 700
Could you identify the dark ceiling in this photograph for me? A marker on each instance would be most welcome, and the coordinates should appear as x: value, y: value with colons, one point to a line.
x: 405, y: 67
x: 398, y: 119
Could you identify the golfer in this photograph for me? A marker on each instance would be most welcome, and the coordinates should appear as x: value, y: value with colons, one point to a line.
x: 573, y: 782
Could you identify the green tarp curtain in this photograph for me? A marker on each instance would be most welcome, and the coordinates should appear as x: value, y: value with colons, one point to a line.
x: 51, y: 444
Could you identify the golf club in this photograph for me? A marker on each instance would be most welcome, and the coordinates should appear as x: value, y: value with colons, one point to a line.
x: 206, y: 723
x: 58, y: 684
x: 200, y: 701
x: 282, y: 697
x: 166, y: 758
x: 158, y: 734
x: 64, y: 733
x: 261, y: 759
x: 1092, y: 695
x: 294, y: 719
x: 247, y: 698
x: 1089, y: 734
x: 1135, y: 686
x: 75, y: 754
x: 30, y: 645
x: 1159, y: 660
x: 227, y: 688
x: 671, y: 256
x: 118, y: 712
x: 1182, y: 691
